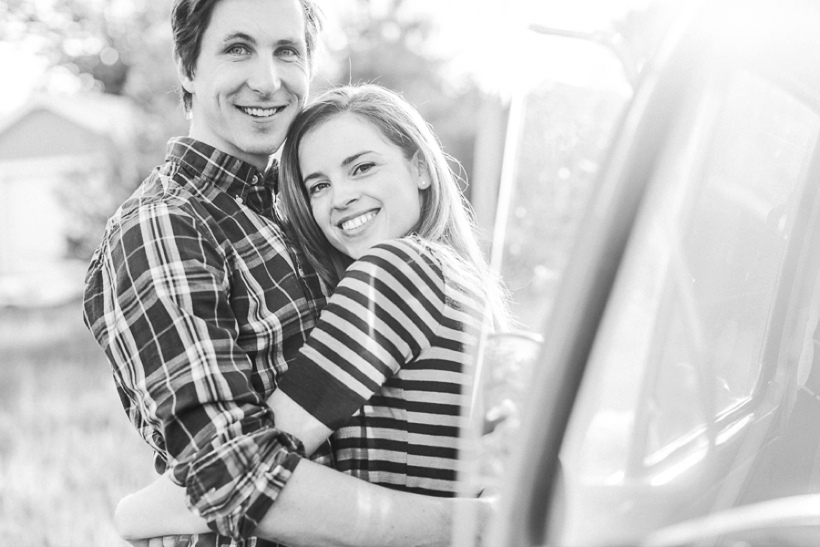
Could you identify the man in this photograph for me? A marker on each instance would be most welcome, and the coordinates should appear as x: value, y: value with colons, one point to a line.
x: 199, y: 301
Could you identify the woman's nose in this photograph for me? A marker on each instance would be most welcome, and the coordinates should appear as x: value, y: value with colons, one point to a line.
x: 344, y: 195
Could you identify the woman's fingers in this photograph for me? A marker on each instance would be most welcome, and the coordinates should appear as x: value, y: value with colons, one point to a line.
x: 164, y: 541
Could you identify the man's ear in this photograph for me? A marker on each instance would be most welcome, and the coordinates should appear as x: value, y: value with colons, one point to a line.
x: 186, y: 81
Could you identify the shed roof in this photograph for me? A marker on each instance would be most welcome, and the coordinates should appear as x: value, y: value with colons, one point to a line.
x: 37, y: 127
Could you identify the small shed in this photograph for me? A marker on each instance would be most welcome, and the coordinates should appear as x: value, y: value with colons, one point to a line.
x: 45, y: 145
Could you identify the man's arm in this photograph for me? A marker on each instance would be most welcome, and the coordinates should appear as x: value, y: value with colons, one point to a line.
x: 158, y: 302
x: 318, y: 506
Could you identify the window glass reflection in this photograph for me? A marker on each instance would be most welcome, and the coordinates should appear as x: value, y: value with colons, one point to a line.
x: 676, y: 365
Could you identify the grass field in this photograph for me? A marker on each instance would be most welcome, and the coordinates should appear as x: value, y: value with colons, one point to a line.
x: 67, y: 451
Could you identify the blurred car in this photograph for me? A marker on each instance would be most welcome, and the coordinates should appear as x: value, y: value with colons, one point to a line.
x: 672, y: 396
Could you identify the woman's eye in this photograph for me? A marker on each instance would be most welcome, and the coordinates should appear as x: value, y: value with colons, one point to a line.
x: 363, y: 168
x: 316, y: 188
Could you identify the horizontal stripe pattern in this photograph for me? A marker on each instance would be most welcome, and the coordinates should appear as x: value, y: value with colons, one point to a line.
x: 390, y: 363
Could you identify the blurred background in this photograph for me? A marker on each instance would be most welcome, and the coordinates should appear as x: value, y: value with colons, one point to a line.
x: 87, y: 102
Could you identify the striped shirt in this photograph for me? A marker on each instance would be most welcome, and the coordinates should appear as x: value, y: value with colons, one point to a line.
x: 195, y: 298
x: 389, y: 365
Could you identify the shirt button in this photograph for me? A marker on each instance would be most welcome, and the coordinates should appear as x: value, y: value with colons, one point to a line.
x: 239, y: 200
x: 255, y: 179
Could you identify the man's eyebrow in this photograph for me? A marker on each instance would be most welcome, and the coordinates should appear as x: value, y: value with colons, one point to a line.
x: 291, y: 42
x: 251, y: 40
x: 239, y: 36
x: 345, y: 162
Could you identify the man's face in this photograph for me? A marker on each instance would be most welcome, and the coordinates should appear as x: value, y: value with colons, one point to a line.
x: 251, y: 77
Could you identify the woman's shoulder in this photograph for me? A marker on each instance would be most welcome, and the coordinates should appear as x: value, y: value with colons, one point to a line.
x: 404, y: 254
x: 406, y: 249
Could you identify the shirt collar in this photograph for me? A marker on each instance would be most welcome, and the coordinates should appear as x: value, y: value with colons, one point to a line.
x: 228, y: 173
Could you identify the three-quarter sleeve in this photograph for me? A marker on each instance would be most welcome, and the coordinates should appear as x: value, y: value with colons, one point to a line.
x: 384, y: 313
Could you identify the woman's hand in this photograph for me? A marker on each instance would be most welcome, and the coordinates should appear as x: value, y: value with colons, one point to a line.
x: 165, y: 541
x: 155, y: 514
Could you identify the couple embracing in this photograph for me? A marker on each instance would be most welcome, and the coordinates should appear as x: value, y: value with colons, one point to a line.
x: 295, y: 339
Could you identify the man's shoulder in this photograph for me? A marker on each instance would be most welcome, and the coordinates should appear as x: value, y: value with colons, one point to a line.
x: 163, y: 193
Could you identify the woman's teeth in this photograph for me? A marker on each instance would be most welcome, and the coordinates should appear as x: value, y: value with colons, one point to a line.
x: 354, y: 223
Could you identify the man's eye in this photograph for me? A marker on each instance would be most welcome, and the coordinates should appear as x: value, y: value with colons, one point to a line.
x: 289, y: 52
x: 237, y: 50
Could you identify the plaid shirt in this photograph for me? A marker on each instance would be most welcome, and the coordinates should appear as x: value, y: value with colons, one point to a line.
x: 194, y: 296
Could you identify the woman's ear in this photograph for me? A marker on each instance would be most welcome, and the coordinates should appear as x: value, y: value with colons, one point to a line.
x: 420, y: 170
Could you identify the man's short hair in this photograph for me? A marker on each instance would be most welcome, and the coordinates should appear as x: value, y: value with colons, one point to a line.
x: 190, y: 19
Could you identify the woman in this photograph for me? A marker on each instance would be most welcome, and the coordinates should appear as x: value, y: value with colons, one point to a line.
x: 371, y: 198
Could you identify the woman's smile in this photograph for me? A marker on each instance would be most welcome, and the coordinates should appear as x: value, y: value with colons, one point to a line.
x: 362, y: 188
x: 358, y: 221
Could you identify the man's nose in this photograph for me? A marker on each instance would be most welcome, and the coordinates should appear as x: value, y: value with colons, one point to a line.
x: 265, y: 77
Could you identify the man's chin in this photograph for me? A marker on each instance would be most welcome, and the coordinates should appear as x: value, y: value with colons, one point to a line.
x: 263, y: 147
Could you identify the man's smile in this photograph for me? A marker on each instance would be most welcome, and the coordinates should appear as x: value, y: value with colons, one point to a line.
x: 261, y: 112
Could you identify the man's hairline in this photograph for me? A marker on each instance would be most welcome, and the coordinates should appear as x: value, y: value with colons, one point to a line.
x: 310, y: 55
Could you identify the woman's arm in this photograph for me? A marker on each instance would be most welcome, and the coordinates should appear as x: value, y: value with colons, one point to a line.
x: 321, y: 506
x: 332, y: 376
x: 292, y: 418
x: 317, y: 506
x: 383, y: 314
x: 157, y: 510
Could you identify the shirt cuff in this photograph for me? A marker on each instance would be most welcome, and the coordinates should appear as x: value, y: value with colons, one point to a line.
x: 234, y: 485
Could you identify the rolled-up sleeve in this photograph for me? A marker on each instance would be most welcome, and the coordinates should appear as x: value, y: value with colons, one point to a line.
x: 158, y: 301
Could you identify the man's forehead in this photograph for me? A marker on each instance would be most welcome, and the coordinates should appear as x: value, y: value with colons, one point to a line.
x: 262, y: 20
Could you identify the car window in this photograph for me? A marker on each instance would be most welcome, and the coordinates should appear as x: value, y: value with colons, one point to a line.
x: 557, y: 138
x: 723, y: 246
x: 678, y: 362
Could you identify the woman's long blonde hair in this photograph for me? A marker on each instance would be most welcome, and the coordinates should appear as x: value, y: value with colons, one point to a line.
x: 446, y: 217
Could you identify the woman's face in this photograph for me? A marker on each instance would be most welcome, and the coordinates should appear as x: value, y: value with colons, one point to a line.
x: 362, y: 190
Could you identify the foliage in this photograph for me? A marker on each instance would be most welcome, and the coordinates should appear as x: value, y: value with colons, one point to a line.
x: 119, y: 48
x: 124, y: 48
x: 564, y: 137
x: 385, y: 43
x: 63, y: 435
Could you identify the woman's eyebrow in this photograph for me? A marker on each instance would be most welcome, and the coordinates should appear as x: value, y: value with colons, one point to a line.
x: 350, y: 159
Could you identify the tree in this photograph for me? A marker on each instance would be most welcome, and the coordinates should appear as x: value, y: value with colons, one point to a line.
x: 385, y: 42
x: 124, y: 48
x: 117, y: 48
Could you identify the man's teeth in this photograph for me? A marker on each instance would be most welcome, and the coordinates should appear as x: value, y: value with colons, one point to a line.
x: 260, y: 112
x: 354, y: 223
